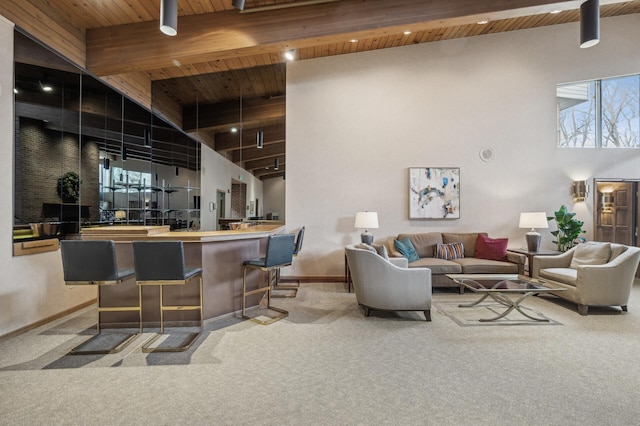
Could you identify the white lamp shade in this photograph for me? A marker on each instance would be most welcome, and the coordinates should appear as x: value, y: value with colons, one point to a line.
x: 533, y: 220
x: 367, y: 220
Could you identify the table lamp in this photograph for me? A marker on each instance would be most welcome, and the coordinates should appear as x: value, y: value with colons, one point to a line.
x: 533, y: 220
x: 366, y: 221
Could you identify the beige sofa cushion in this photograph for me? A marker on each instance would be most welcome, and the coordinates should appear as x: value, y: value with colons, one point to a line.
x: 424, y: 243
x: 590, y: 253
x: 563, y: 275
x: 483, y: 266
x: 437, y: 266
x: 468, y: 239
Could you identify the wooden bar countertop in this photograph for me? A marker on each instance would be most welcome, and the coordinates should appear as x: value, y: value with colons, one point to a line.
x: 163, y: 232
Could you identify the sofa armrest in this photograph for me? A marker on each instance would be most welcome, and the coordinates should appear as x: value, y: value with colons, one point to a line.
x: 401, y: 262
x: 544, y: 262
x: 516, y: 257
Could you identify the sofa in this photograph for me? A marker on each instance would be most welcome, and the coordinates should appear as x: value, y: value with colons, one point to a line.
x: 382, y: 285
x: 591, y: 274
x: 466, y: 262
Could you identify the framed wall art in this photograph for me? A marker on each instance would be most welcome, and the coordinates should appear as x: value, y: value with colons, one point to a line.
x: 434, y: 193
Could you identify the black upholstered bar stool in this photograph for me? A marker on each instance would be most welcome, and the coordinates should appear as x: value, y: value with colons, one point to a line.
x: 289, y: 290
x: 161, y: 263
x: 94, y: 263
x: 279, y: 253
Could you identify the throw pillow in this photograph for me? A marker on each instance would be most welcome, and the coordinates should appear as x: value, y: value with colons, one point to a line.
x: 381, y: 249
x: 590, y: 253
x: 450, y: 251
x: 491, y: 248
x: 364, y: 246
x: 405, y: 247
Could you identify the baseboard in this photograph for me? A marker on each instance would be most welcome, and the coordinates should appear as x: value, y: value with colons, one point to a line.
x: 46, y: 320
x: 314, y: 279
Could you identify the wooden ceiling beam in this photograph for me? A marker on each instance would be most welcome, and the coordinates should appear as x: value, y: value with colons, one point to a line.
x: 230, y: 141
x: 227, y: 114
x: 263, y: 163
x: 254, y: 153
x: 222, y: 35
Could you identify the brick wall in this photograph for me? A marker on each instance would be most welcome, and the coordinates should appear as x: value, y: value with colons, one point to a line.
x: 238, y: 200
x: 42, y: 156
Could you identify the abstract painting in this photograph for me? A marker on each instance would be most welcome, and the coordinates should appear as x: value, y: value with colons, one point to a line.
x: 434, y: 193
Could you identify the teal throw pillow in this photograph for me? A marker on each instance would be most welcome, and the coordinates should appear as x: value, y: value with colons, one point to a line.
x: 405, y: 247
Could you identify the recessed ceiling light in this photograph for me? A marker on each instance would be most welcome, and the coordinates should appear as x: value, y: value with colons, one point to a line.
x: 353, y: 40
x: 290, y: 54
x: 483, y: 22
x: 407, y: 32
x: 553, y: 12
x: 234, y: 130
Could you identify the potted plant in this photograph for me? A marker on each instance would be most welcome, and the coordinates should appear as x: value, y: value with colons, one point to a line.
x: 568, y: 229
x: 69, y: 187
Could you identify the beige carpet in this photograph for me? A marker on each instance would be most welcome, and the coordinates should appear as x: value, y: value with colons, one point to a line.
x: 327, y: 364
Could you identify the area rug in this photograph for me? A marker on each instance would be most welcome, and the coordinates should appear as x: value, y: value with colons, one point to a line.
x: 470, y: 316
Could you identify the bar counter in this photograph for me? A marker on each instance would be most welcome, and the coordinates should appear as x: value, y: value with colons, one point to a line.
x: 219, y: 253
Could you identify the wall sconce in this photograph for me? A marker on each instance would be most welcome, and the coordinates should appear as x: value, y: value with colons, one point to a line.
x: 580, y: 190
x: 169, y: 17
x: 589, y: 23
x: 607, y: 202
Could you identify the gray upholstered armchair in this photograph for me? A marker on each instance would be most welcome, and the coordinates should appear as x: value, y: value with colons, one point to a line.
x: 592, y: 274
x: 381, y: 285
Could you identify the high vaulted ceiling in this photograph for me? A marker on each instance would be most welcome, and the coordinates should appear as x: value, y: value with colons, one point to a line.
x: 223, y: 58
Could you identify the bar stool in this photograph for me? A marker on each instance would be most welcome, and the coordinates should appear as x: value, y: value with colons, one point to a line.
x: 94, y: 263
x: 279, y: 254
x: 161, y: 263
x: 289, y: 290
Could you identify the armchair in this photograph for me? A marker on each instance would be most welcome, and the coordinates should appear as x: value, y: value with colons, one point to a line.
x: 381, y: 285
x: 605, y: 284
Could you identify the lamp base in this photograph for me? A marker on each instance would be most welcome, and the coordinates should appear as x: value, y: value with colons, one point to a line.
x: 366, y: 237
x: 533, y: 241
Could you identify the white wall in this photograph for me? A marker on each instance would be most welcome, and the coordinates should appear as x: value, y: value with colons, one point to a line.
x: 216, y: 174
x: 32, y: 287
x: 274, y: 197
x: 356, y: 123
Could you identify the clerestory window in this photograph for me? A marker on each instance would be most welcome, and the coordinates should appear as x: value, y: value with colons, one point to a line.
x: 600, y: 113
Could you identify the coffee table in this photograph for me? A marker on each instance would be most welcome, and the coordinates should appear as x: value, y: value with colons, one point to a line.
x: 499, y: 286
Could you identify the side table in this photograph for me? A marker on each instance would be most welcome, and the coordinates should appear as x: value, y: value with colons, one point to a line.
x: 347, y: 273
x: 530, y: 254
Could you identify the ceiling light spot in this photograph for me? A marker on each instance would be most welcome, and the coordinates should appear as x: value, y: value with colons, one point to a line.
x: 483, y: 22
x: 353, y: 40
x: 407, y: 32
x: 290, y: 54
x: 176, y: 62
x: 234, y: 130
x: 553, y: 12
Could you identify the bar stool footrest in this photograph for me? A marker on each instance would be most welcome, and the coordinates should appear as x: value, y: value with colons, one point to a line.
x: 264, y: 319
x: 122, y: 343
x: 186, y: 343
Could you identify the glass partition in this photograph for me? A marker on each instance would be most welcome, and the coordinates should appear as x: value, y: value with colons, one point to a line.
x: 86, y: 155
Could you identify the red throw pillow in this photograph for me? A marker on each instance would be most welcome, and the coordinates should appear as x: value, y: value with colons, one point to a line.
x: 491, y: 248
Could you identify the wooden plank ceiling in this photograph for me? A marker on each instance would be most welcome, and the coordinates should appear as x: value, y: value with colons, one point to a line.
x: 223, y: 58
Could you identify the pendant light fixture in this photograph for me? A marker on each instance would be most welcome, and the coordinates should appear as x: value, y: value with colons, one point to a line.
x: 169, y: 17
x: 260, y: 139
x: 589, y: 23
